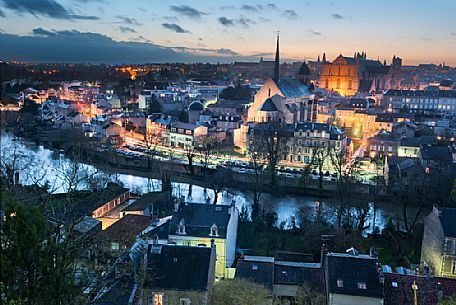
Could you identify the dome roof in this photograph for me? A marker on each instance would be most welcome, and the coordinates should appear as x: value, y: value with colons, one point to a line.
x: 268, y: 105
x: 304, y: 69
x: 197, y: 106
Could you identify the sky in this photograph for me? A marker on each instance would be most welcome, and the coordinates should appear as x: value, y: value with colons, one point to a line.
x: 138, y: 31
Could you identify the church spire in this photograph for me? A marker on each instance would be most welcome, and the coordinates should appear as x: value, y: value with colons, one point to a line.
x: 277, y: 61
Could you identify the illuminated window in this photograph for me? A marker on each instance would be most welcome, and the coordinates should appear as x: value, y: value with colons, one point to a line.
x: 214, y: 230
x: 362, y: 285
x: 340, y: 283
x: 338, y: 83
x: 185, y: 301
x: 181, y: 227
x: 350, y: 84
x: 155, y: 299
x: 326, y: 83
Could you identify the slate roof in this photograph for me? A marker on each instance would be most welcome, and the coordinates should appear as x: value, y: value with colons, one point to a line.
x: 353, y: 269
x: 421, y: 93
x: 268, y: 105
x: 118, y: 293
x: 448, y: 221
x: 436, y: 153
x: 411, y: 142
x: 179, y: 267
x: 304, y: 69
x: 197, y: 106
x: 199, y: 217
x: 288, y: 274
x: 292, y: 88
x: 260, y: 272
x: 146, y: 201
x: 126, y: 229
x: 183, y: 125
x: 386, y: 136
x: 426, y: 293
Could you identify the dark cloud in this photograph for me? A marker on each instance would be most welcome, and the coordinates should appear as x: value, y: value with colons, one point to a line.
x: 126, y: 29
x: 272, y: 6
x: 249, y: 8
x: 174, y: 27
x: 42, y: 32
x: 226, y: 22
x: 128, y: 20
x: 244, y: 22
x: 313, y: 33
x: 337, y: 16
x: 78, y: 47
x: 187, y: 11
x: 221, y: 51
x: 47, y: 8
x: 2, y: 14
x: 290, y: 14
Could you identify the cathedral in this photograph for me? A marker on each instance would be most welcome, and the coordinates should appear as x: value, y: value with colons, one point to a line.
x: 351, y: 75
x: 286, y: 100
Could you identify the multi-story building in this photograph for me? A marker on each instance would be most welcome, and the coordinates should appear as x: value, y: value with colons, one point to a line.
x: 383, y: 144
x: 438, y: 251
x: 353, y: 279
x: 157, y: 129
x: 185, y: 135
x: 301, y: 142
x: 422, y: 101
x: 204, y: 224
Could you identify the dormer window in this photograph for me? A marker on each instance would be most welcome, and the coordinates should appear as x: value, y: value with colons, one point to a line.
x: 214, y: 230
x: 181, y: 227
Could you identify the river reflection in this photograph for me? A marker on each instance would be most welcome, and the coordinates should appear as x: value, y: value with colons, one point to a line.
x: 41, y: 165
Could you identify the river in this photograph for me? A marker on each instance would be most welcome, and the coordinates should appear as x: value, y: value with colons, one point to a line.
x: 37, y: 164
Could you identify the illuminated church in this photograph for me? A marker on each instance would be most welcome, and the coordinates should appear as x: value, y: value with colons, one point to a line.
x: 284, y: 100
x: 351, y: 75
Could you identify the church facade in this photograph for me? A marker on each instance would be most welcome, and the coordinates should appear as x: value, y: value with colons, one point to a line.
x: 351, y: 75
x: 285, y: 100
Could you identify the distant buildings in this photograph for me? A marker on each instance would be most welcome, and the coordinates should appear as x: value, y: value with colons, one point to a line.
x: 350, y: 75
x: 427, y: 102
x: 438, y: 252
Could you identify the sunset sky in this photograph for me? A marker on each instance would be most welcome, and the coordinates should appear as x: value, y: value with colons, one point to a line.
x: 159, y: 31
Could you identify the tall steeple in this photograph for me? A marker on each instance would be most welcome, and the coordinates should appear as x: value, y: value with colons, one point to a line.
x: 277, y: 61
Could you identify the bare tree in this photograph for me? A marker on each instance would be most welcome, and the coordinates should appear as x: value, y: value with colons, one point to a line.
x: 270, y: 140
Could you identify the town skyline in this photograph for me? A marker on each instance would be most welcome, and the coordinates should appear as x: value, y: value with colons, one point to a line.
x: 191, y: 31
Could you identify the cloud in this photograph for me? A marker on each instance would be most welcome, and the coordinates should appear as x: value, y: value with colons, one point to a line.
x: 171, y: 18
x: 126, y: 29
x: 453, y: 33
x: 187, y: 11
x: 226, y: 22
x: 249, y: 8
x: 82, y: 47
x: 222, y: 51
x: 174, y: 27
x: 42, y: 32
x: 263, y: 19
x: 337, y: 16
x: 243, y: 21
x: 313, y: 33
x: 47, y: 8
x: 2, y: 14
x: 128, y: 20
x: 290, y: 14
x: 227, y: 7
x: 272, y: 6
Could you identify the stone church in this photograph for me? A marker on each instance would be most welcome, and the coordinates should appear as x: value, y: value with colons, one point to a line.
x: 286, y: 100
x: 351, y: 75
